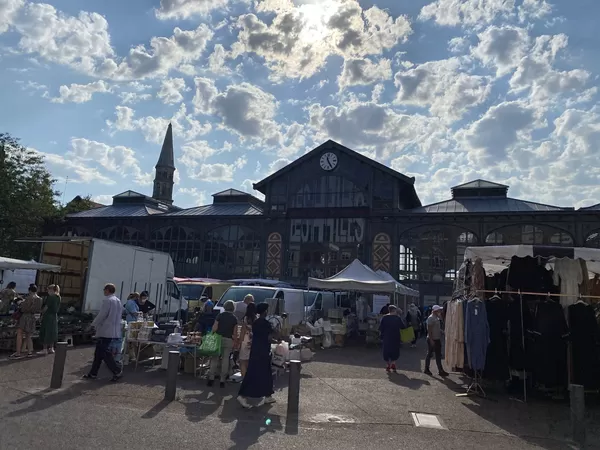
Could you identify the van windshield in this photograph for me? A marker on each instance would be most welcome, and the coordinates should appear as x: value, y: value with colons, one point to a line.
x: 309, y: 298
x: 191, y: 291
x: 237, y: 294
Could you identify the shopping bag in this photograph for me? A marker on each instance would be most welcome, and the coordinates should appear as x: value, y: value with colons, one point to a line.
x: 211, y: 345
x: 407, y: 335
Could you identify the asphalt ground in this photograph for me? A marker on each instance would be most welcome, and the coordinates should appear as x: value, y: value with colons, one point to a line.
x: 347, y: 400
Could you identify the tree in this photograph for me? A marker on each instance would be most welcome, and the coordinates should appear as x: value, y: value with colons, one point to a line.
x: 27, y: 197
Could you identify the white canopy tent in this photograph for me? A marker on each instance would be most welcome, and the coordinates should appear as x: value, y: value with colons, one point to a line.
x: 355, y: 277
x: 400, y: 288
x: 13, y: 264
x: 497, y: 258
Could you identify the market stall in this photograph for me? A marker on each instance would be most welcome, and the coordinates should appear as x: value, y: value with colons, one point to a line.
x: 401, y: 290
x: 527, y: 314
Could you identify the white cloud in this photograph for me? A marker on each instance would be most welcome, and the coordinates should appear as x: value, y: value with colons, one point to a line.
x: 63, y: 166
x: 80, y: 93
x: 367, y: 126
x: 502, y: 126
x: 443, y: 86
x: 502, y: 47
x: 579, y: 132
x: 130, y: 98
x: 185, y: 9
x: 82, y: 42
x: 363, y: 71
x: 217, y: 59
x: 121, y: 160
x: 212, y: 173
x: 8, y: 11
x: 193, y: 153
x: 300, y: 38
x: 247, y: 187
x: 198, y: 196
x: 467, y: 13
x: 171, y: 90
x: 243, y: 108
x: 103, y: 199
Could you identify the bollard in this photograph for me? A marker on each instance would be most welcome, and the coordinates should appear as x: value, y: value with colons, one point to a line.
x: 294, y: 388
x: 58, y: 369
x: 172, y: 371
x: 577, y: 396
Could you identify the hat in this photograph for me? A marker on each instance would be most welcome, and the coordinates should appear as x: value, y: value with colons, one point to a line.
x: 436, y: 308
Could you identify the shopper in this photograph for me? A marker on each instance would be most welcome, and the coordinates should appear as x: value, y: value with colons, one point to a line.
x: 413, y: 318
x: 145, y: 305
x: 108, y: 329
x: 240, y: 307
x: 31, y: 306
x: 207, y: 318
x: 7, y: 297
x: 258, y: 382
x: 225, y: 325
x: 390, y: 327
x: 434, y: 341
x: 132, y: 307
x: 246, y: 337
x: 49, y: 327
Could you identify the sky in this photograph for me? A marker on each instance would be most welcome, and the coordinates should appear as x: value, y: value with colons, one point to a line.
x: 446, y: 91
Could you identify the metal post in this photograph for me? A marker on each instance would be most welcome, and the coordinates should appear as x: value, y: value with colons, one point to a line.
x: 577, y: 396
x: 294, y: 388
x: 58, y: 369
x: 172, y: 370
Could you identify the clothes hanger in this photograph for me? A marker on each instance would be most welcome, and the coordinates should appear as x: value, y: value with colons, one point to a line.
x: 581, y: 300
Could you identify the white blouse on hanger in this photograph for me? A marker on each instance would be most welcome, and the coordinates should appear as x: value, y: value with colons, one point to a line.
x: 455, y: 335
x: 568, y: 273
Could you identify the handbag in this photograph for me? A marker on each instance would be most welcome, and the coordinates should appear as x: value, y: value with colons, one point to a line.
x: 211, y: 345
x: 407, y: 335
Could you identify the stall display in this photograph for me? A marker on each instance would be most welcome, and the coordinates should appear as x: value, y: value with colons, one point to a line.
x: 585, y: 338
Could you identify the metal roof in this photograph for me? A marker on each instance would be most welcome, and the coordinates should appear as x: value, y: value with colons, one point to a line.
x: 130, y: 194
x: 486, y: 205
x: 221, y: 209
x: 230, y: 193
x: 119, y: 211
x: 591, y: 208
x: 480, y: 184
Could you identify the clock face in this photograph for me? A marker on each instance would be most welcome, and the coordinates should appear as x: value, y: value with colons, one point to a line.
x: 328, y: 161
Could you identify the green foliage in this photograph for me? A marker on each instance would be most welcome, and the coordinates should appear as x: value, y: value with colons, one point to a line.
x: 27, y: 197
x: 78, y: 204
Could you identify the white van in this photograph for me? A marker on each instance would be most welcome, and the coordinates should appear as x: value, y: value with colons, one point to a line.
x: 317, y: 304
x: 294, y: 299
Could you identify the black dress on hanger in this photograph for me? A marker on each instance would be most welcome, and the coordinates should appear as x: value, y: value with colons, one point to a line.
x: 585, y: 341
x: 496, y: 361
x: 517, y: 354
x: 549, y: 349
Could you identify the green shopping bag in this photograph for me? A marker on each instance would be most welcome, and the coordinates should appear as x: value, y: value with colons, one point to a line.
x: 211, y: 345
x: 407, y: 335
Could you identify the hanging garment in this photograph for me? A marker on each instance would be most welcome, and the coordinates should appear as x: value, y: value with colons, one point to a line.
x: 477, y: 333
x: 549, y: 348
x: 454, y: 352
x: 518, y: 346
x: 527, y: 274
x: 594, y: 286
x: 567, y: 272
x: 585, y: 342
x: 584, y: 287
x: 478, y: 278
x: 496, y: 359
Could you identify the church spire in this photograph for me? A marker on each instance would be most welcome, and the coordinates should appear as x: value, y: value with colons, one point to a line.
x: 165, y: 170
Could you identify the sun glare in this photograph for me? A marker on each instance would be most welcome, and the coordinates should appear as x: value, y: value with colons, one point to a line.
x: 316, y: 14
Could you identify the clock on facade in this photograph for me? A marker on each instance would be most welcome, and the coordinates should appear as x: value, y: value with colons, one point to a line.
x: 328, y: 161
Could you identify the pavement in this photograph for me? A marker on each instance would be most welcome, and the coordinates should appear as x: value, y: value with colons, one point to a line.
x: 347, y: 401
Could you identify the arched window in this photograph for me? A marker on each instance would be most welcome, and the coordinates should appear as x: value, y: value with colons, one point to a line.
x: 183, y: 246
x: 433, y: 254
x: 231, y: 251
x: 74, y: 232
x: 121, y: 234
x: 529, y: 235
x: 494, y: 238
x: 329, y: 191
x: 593, y: 240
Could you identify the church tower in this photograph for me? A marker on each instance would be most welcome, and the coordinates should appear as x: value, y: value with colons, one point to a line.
x: 165, y: 169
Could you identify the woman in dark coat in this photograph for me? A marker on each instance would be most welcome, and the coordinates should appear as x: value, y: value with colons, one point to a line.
x: 49, y: 328
x: 258, y: 382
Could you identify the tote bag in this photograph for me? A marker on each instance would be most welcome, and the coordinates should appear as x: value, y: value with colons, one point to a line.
x: 407, y: 335
x: 211, y: 345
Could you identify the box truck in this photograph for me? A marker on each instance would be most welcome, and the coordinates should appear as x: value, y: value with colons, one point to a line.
x: 88, y: 264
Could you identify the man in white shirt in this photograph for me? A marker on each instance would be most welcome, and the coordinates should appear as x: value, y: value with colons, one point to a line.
x: 108, y: 330
x: 241, y: 307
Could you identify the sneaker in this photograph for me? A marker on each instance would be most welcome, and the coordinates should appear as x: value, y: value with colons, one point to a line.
x: 221, y: 384
x: 269, y: 400
x: 428, y: 372
x: 42, y: 353
x: 394, y: 368
x: 387, y: 369
x: 443, y: 373
x: 89, y: 376
x: 116, y: 377
x: 16, y: 356
x: 50, y: 351
x: 209, y: 383
x: 242, y: 401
